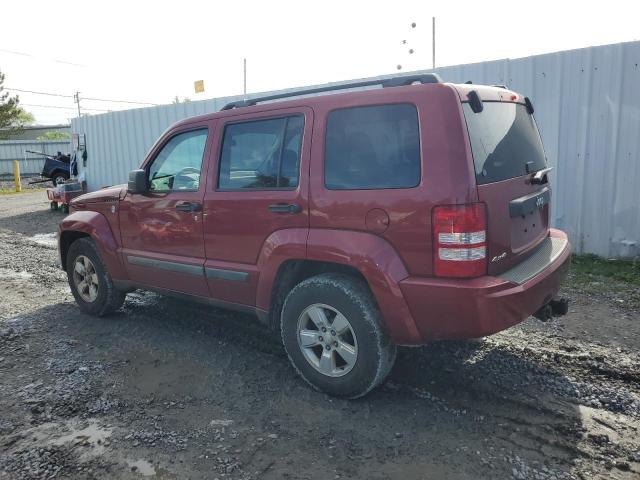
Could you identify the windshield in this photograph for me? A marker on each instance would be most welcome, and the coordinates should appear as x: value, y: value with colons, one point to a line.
x: 505, y: 142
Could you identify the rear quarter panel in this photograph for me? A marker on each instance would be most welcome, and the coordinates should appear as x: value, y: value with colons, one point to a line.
x: 446, y: 174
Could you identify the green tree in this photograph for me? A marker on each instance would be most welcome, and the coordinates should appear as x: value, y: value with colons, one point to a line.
x: 54, y: 136
x: 13, y: 118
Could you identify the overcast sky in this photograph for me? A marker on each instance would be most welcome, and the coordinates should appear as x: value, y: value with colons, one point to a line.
x: 153, y: 51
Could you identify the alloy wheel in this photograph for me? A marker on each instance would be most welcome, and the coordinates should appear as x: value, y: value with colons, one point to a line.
x: 85, y: 279
x: 327, y: 340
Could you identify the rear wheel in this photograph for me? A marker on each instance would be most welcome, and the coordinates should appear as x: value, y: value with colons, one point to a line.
x: 53, y: 206
x: 89, y: 280
x: 333, y: 334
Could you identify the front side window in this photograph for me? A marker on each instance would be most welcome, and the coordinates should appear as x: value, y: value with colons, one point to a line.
x: 178, y: 165
x: 261, y: 154
x: 372, y: 148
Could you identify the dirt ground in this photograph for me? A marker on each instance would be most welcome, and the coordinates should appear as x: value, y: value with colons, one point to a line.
x: 171, y: 390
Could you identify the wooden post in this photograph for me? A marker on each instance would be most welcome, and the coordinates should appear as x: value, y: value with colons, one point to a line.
x: 16, y: 175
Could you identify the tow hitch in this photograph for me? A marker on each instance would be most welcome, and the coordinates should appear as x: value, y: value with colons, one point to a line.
x: 557, y: 307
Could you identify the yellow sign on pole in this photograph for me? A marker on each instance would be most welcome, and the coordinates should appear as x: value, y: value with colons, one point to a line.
x: 199, y: 86
x: 16, y: 175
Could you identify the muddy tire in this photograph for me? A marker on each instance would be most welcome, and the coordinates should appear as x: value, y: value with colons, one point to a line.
x: 89, y: 280
x: 333, y: 334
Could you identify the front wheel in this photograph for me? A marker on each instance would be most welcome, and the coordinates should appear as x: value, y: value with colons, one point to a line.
x: 89, y: 280
x: 332, y: 331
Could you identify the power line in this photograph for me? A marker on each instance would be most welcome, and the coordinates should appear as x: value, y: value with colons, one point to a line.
x: 83, y: 98
x: 63, y: 108
x: 40, y: 93
x: 55, y: 60
x: 120, y: 101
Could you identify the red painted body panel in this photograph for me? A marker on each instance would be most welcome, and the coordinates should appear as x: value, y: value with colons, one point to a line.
x: 454, y: 309
x: 241, y: 293
x: 96, y: 225
x: 237, y: 223
x: 385, y: 234
x: 445, y: 176
x: 238, y: 226
x: 283, y: 245
x: 380, y: 265
x: 152, y: 228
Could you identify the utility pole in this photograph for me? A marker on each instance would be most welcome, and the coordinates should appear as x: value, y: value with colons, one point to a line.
x: 245, y: 78
x: 76, y: 99
x: 433, y: 31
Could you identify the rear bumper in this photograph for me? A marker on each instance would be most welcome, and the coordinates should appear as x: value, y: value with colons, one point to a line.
x: 455, y: 309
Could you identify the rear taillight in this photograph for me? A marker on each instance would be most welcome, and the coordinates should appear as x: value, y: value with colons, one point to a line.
x: 460, y: 240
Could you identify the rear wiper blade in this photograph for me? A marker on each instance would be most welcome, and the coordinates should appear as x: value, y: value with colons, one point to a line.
x: 540, y: 176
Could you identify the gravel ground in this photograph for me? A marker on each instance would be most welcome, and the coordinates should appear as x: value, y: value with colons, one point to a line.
x: 168, y: 389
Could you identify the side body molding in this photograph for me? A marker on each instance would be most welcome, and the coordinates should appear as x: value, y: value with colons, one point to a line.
x: 97, y: 227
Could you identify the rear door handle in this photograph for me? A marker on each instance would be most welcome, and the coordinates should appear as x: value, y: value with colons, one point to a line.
x: 285, y: 208
x: 188, y: 206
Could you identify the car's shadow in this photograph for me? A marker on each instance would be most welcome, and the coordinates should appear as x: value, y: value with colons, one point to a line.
x: 34, y: 222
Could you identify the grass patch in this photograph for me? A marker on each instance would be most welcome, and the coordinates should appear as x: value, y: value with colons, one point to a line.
x: 592, y: 266
x: 616, y: 280
x: 12, y: 191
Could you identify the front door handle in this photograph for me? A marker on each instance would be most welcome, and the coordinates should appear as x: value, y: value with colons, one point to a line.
x: 285, y: 208
x: 188, y: 206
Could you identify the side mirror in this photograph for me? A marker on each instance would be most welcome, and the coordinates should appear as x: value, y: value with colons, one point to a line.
x: 137, y: 181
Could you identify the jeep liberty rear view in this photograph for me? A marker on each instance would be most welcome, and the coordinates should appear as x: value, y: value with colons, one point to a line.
x: 350, y: 223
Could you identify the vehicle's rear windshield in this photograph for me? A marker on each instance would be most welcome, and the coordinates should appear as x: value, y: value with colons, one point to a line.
x: 505, y: 141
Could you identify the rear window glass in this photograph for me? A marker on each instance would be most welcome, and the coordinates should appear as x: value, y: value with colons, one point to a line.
x: 372, y: 147
x: 505, y: 142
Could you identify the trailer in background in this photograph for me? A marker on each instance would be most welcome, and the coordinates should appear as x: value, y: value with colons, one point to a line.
x: 61, y: 195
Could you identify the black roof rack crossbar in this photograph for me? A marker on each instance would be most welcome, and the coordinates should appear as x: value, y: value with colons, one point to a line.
x: 389, y: 82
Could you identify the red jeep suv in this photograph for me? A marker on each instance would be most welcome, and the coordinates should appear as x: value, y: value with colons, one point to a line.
x: 351, y: 222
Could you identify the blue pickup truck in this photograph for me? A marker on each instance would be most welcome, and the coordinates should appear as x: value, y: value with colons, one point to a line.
x: 56, y: 167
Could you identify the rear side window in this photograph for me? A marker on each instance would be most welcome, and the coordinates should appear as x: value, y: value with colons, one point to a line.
x: 372, y: 148
x: 505, y: 142
x: 261, y: 154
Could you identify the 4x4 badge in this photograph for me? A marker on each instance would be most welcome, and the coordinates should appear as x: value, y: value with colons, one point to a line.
x: 497, y: 258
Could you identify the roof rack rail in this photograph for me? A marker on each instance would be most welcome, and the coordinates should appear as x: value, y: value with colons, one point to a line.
x: 501, y: 86
x: 388, y: 82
